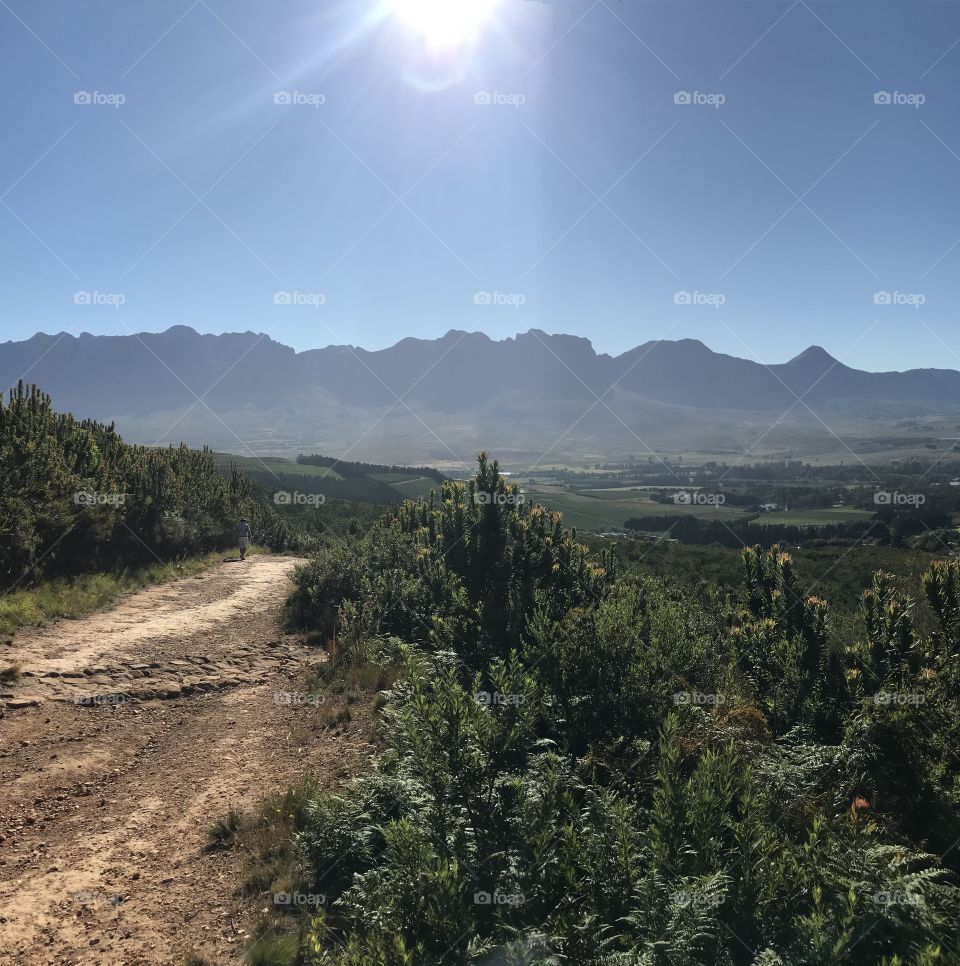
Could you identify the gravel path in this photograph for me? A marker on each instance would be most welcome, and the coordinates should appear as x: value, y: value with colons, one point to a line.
x: 128, y: 734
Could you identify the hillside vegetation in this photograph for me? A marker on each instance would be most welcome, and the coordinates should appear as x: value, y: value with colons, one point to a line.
x: 586, y: 764
x: 336, y: 479
x: 77, y: 499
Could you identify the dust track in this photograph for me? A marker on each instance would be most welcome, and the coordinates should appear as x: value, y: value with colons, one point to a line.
x: 130, y: 731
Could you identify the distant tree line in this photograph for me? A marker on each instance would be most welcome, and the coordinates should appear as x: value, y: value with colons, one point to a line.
x: 354, y: 470
x: 742, y: 533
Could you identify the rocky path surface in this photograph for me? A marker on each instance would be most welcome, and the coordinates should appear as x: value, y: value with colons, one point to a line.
x: 128, y: 734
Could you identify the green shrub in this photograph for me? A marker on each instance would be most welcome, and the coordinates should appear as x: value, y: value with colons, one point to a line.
x: 581, y: 766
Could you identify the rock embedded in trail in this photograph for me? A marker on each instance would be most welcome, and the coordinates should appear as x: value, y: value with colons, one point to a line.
x: 25, y: 701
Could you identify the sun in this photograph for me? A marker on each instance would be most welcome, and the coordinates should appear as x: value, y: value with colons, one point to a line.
x: 444, y: 23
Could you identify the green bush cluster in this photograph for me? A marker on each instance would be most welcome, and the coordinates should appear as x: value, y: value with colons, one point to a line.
x: 76, y: 498
x: 585, y: 765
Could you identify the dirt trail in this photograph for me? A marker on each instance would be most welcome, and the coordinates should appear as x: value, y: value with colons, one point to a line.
x: 130, y: 732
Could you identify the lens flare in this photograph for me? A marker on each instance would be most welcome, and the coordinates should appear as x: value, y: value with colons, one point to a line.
x: 444, y: 23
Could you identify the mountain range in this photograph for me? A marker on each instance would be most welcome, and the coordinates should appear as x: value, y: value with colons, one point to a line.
x: 435, y: 397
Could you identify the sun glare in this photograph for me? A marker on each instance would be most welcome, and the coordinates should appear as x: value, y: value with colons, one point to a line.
x: 444, y: 23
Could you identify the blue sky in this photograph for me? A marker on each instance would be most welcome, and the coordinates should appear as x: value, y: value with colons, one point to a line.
x: 540, y: 176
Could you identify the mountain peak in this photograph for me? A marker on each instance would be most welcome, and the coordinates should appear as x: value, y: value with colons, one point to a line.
x: 813, y: 354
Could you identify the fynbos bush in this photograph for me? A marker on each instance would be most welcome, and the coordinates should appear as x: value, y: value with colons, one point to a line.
x: 603, y: 763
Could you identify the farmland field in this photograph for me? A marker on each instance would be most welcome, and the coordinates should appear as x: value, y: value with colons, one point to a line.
x: 413, y: 488
x: 813, y: 518
x: 600, y: 509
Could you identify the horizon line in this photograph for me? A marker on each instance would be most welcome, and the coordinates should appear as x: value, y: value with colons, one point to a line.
x: 533, y: 331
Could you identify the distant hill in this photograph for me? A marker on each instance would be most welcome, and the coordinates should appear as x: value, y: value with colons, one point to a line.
x: 438, y: 399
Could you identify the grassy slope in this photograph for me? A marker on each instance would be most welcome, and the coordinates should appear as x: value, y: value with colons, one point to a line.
x: 410, y: 489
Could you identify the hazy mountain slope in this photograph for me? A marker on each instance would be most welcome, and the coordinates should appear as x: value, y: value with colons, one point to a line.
x: 448, y: 395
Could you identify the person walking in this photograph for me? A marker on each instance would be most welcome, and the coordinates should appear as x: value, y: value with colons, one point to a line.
x: 243, y: 533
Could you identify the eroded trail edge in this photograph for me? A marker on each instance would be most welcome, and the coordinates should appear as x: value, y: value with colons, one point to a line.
x: 129, y: 732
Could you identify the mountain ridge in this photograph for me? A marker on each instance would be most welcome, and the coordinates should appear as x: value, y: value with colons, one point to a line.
x: 179, y: 329
x: 532, y: 384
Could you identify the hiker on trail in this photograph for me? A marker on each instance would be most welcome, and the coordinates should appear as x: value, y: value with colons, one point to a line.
x: 243, y: 533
